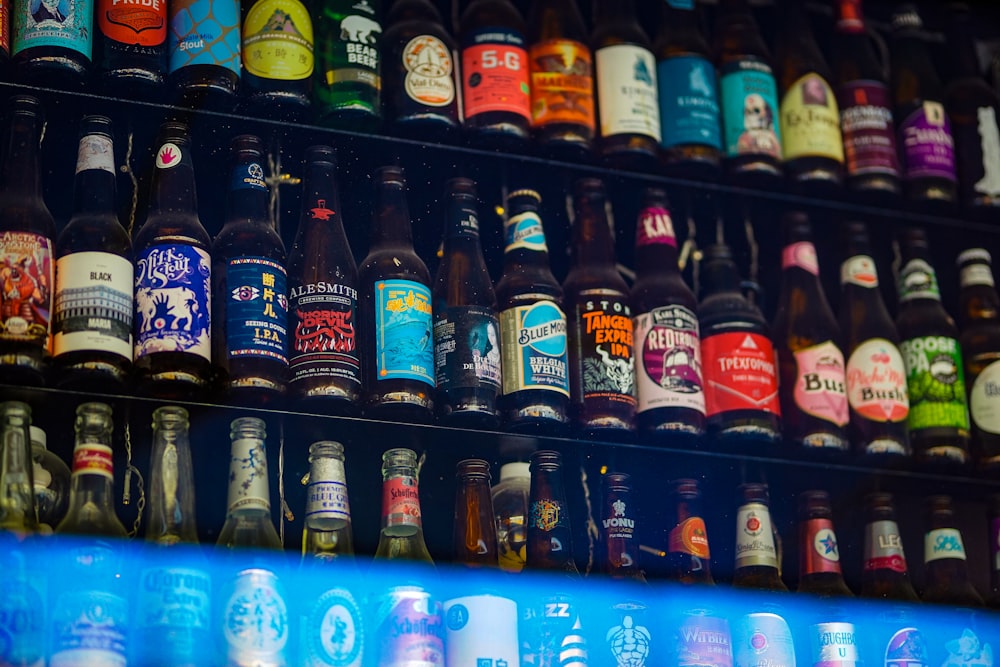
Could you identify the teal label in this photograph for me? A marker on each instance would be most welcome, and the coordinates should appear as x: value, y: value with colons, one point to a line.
x: 248, y: 177
x: 524, y: 231
x: 404, y: 345
x: 935, y: 382
x: 689, y: 102
x: 257, y: 312
x: 65, y: 23
x: 750, y: 109
x: 205, y: 32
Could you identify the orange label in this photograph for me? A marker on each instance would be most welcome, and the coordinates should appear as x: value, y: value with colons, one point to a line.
x: 142, y: 22
x: 4, y: 27
x: 562, y: 83
x: 495, y: 74
x: 689, y: 537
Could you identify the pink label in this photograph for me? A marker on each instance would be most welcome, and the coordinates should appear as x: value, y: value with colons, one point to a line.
x: 801, y: 255
x: 655, y: 226
x: 400, y: 502
x: 866, y: 123
x: 876, y: 381
x: 819, y: 550
x: 669, y: 373
x: 821, y: 384
x: 883, y: 547
x: 928, y: 146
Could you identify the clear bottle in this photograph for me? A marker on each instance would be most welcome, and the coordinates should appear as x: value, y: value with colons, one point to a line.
x: 51, y: 479
x: 688, y: 556
x: 756, y: 551
x: 18, y: 513
x: 884, y: 574
x: 946, y: 572
x: 510, y: 506
x: 347, y: 89
x: 819, y: 551
x: 475, y: 532
x: 402, y: 534
x: 248, y: 519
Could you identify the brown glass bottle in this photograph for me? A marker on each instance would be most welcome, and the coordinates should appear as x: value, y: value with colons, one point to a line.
x: 688, y: 556
x: 756, y: 551
x: 814, y: 412
x: 884, y: 574
x: 475, y: 533
x: 323, y: 352
x: 993, y: 598
x: 131, y: 48
x: 876, y: 374
x: 601, y: 355
x: 946, y: 572
x: 668, y: 374
x: 938, y: 420
x: 395, y: 290
x: 51, y: 44
x: 550, y: 538
x: 819, y: 551
x: 618, y: 520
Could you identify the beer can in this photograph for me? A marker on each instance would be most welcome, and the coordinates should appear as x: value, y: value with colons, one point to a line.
x: 408, y: 627
x: 481, y: 630
x: 763, y: 639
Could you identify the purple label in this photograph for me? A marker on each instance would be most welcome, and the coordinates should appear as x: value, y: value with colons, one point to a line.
x: 866, y: 123
x: 655, y: 227
x: 928, y: 146
x: 704, y: 641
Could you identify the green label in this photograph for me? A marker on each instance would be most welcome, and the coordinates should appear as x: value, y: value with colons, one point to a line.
x: 917, y: 280
x: 935, y: 382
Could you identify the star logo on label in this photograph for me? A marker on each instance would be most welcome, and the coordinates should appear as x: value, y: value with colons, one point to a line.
x: 829, y: 545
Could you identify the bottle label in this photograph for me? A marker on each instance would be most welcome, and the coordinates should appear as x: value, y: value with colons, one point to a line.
x: 328, y: 501
x: 626, y: 91
x: 800, y: 255
x: 704, y: 641
x: 404, y: 347
x: 95, y: 152
x: 249, y: 176
x: 821, y: 383
x: 255, y: 620
x: 204, y: 32
x: 976, y: 274
x: 89, y: 629
x: 26, y: 281
x: 689, y: 537
x: 810, y: 121
x: 906, y: 648
x: 400, y: 502
x: 943, y: 543
x: 547, y: 514
x: 655, y: 227
x: 859, y: 270
x: 22, y: 618
x: 754, y: 537
x: 533, y: 345
x: 524, y: 230
x: 670, y: 368
x: 333, y: 631
x: 5, y: 26
x: 93, y: 304
x: 409, y: 628
x: 689, y: 102
x: 866, y: 123
x: 917, y: 280
x: 430, y: 70
x: 562, y: 83
x: 143, y: 24
x: 834, y: 645
x: 628, y: 640
x: 982, y: 151
x: 984, y: 399
x: 621, y: 524
x: 819, y: 547
x: 63, y: 23
x: 750, y: 109
x: 248, y: 476
x: 321, y: 317
x: 740, y: 373
x: 884, y: 547
x: 928, y: 147
x: 278, y: 40
x: 257, y: 312
x: 176, y: 602
x: 876, y: 381
x: 467, y: 348
x: 763, y: 639
x: 495, y: 73
x: 92, y: 459
x: 935, y: 383
x: 604, y: 339
x: 173, y: 300
x: 353, y: 52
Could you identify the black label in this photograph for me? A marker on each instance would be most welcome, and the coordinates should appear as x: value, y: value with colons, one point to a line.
x: 322, y: 318
x: 604, y: 328
x: 466, y: 348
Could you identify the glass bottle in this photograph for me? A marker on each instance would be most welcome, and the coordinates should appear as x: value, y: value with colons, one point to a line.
x: 876, y: 375
x: 26, y: 252
x: 92, y: 314
x: 993, y: 599
x: 734, y: 336
x: 52, y: 43
x: 173, y: 351
x: 324, y: 358
x: 601, y: 354
x: 813, y: 384
x: 938, y: 420
x: 885, y: 573
x: 946, y: 572
x: 535, y: 379
x: 688, y: 89
x: 278, y: 60
x: 18, y: 513
x: 131, y: 48
x: 395, y: 290
x: 203, y: 47
x: 510, y: 506
x: 618, y: 518
x: 347, y: 89
x: 250, y: 287
x: 466, y: 328
x: 756, y: 551
x: 819, y: 551
x: 475, y: 533
x: 50, y: 475
x: 688, y: 557
x: 402, y: 534
x: 550, y: 539
x: 248, y: 519
x: 668, y: 374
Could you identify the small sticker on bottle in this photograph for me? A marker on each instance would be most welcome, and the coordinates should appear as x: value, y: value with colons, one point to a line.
x: 92, y: 459
x: 884, y: 547
x: 690, y: 537
x: 429, y: 71
x: 655, y: 227
x: 754, y: 537
x: 819, y: 548
x: 95, y: 152
x: 400, y: 502
x: 524, y: 230
x: 801, y: 255
x: 248, y: 475
x: 943, y: 543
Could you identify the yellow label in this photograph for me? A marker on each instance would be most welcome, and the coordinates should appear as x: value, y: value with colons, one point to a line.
x: 810, y: 120
x: 278, y: 40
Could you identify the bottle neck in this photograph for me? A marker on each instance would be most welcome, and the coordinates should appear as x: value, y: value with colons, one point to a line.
x: 721, y: 276
x: 962, y: 44
x: 613, y: 11
x: 16, y: 483
x: 475, y: 530
x: 173, y: 183
x: 171, y: 497
x: 248, y: 488
x: 656, y: 243
x: 401, y: 503
x: 850, y: 18
x: 979, y: 298
x: 592, y: 241
x: 620, y: 537
x: 321, y: 201
x: 328, y: 533
x: 94, y: 187
x: 92, y: 479
x: 248, y: 196
x: 392, y: 218
x: 21, y: 169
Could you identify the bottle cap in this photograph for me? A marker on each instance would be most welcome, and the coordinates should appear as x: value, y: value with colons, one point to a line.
x: 38, y: 436
x: 906, y: 17
x: 95, y: 124
x: 460, y: 185
x: 25, y: 104
x: 546, y: 460
x: 754, y: 493
x: 518, y: 470
x: 618, y: 481
x: 247, y: 142
x: 473, y: 469
x: 814, y: 504
x: 718, y: 252
x: 321, y: 153
x: 685, y: 488
x: 525, y: 193
x: 329, y: 448
x: 974, y: 255
x: 391, y: 174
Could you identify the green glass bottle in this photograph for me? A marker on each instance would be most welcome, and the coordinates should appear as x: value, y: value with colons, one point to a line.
x: 347, y: 87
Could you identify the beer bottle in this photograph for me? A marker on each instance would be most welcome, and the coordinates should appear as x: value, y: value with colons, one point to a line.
x: 27, y: 234
x: 688, y: 556
x: 876, y: 375
x: 621, y: 540
x: 979, y: 318
x: 884, y: 574
x: 562, y: 78
x: 475, y: 532
x: 972, y: 109
x: 626, y: 86
x: 813, y: 383
x: 17, y: 487
x: 396, y: 311
x: 946, y: 573
x: 323, y: 356
x: 550, y: 537
x: 402, y: 534
x: 203, y: 48
x: 51, y: 478
x: 466, y: 328
x: 871, y: 160
x: 132, y: 47
x: 420, y: 96
x: 812, y: 145
x: 532, y: 325
x: 248, y: 520
x: 52, y: 42
x: 601, y: 356
x: 993, y: 600
x: 739, y: 406
x: 510, y: 506
x: 250, y: 287
x: 92, y: 317
x: 926, y: 144
x: 756, y: 552
x: 348, y: 84
x: 819, y: 551
x: 278, y: 61
x: 691, y: 137
x: 938, y: 420
x: 496, y: 93
x: 668, y: 377
x: 749, y: 98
